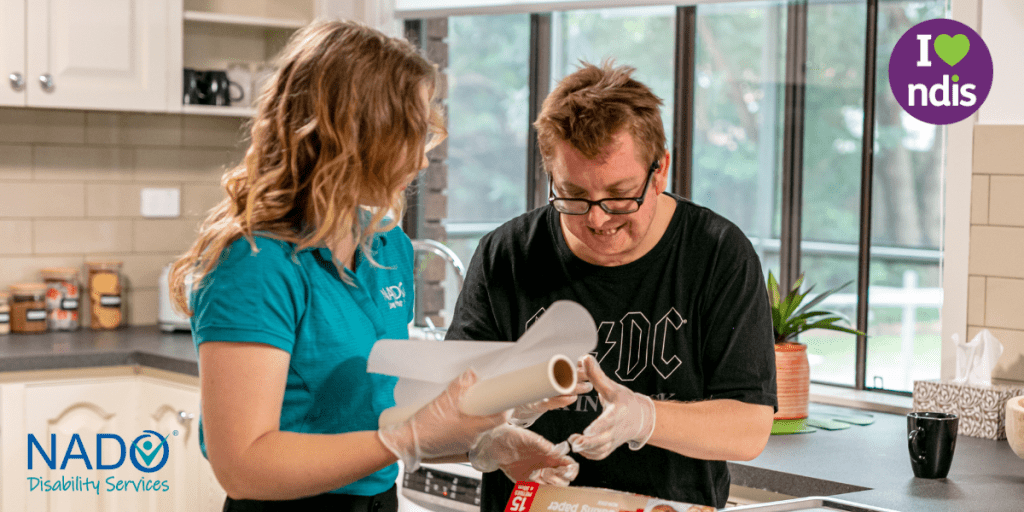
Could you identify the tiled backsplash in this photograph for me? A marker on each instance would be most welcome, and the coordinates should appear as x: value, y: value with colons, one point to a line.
x: 70, y: 185
x: 996, y: 284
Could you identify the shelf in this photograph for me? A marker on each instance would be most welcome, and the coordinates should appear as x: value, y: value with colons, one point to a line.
x: 245, y: 21
x: 215, y: 110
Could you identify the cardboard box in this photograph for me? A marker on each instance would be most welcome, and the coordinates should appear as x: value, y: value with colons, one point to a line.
x: 533, y: 497
x: 982, y: 409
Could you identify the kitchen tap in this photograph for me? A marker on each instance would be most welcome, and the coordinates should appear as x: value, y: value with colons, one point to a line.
x: 435, y: 247
x: 427, y: 245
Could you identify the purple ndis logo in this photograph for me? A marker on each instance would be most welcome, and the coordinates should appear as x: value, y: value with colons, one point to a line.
x: 940, y: 71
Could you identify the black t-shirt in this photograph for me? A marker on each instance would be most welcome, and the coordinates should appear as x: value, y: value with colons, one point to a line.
x: 687, y: 321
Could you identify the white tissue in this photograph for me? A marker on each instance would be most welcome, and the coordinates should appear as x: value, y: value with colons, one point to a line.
x: 975, y: 359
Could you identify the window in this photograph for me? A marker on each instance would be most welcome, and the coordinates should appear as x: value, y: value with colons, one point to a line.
x: 488, y: 110
x: 833, y: 132
x: 738, y: 115
x: 905, y: 293
x: 906, y: 288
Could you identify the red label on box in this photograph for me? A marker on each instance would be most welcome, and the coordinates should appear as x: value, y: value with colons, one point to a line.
x: 522, y: 497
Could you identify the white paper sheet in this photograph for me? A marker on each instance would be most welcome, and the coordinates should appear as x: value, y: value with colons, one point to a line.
x: 425, y: 368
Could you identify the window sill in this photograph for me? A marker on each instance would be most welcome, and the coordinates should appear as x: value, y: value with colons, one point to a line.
x: 860, y: 399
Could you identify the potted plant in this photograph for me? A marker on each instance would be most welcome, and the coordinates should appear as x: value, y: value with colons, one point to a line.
x: 789, y: 319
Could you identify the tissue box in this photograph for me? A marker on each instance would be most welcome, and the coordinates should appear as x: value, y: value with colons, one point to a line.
x: 530, y: 496
x: 982, y: 409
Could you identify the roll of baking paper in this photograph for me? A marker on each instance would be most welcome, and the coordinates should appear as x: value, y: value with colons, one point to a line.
x: 554, y: 377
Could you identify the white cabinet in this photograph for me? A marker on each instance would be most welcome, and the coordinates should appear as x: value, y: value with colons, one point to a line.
x: 12, y: 52
x: 85, y: 54
x: 172, y: 409
x: 65, y: 418
x: 106, y: 427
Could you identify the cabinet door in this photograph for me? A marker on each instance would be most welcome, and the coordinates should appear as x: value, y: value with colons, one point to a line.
x: 97, y: 54
x: 173, y: 410
x: 12, y: 52
x: 85, y: 407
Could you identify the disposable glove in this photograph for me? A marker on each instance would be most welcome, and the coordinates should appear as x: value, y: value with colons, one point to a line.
x: 628, y: 417
x: 439, y: 428
x: 524, y: 415
x: 524, y: 455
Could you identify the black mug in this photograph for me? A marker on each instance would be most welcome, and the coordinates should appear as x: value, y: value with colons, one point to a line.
x: 931, y: 439
x: 191, y: 92
x: 208, y: 88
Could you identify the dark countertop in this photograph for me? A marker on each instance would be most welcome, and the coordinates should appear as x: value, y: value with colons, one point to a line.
x: 146, y: 346
x: 862, y: 464
x: 871, y: 465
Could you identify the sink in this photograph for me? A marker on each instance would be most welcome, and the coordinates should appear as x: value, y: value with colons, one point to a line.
x: 813, y: 503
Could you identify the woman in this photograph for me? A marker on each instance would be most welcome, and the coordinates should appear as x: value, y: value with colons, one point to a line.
x: 300, y: 273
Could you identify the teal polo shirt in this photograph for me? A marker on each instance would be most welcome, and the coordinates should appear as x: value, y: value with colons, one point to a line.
x: 298, y: 303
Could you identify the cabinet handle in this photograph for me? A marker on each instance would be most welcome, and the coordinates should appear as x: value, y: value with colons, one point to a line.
x: 17, y: 81
x: 46, y: 81
x: 185, y: 418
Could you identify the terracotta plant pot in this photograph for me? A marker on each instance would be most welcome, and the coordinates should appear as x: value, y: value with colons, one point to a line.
x: 793, y: 377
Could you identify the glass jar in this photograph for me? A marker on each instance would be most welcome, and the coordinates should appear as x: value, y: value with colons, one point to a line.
x: 104, y: 294
x: 62, y: 298
x: 5, y: 313
x: 28, y: 307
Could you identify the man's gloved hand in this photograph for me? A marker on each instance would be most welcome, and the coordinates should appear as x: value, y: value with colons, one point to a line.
x: 627, y: 417
x: 526, y: 414
x: 439, y: 428
x: 524, y: 455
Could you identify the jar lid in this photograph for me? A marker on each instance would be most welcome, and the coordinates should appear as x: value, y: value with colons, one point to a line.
x: 59, y: 273
x: 104, y: 265
x: 22, y: 289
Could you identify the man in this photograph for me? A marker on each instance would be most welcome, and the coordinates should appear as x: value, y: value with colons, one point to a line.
x: 684, y: 363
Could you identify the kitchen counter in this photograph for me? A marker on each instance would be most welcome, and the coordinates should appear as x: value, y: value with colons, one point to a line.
x: 862, y: 464
x: 871, y: 465
x: 145, y: 346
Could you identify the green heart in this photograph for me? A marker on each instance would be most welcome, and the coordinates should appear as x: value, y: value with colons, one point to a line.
x: 952, y: 49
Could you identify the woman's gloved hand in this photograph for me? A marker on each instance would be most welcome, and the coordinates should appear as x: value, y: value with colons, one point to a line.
x: 524, y: 455
x: 627, y: 417
x: 439, y: 428
x: 526, y: 414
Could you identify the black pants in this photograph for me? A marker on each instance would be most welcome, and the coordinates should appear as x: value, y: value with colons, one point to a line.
x: 386, y: 501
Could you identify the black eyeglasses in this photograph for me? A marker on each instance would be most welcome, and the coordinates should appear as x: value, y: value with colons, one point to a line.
x: 611, y: 205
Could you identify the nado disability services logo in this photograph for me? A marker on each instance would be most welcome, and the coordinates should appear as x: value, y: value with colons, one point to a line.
x: 148, y: 453
x: 940, y: 71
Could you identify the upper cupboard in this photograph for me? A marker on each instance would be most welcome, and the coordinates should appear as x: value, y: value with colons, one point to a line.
x: 130, y: 54
x: 93, y: 54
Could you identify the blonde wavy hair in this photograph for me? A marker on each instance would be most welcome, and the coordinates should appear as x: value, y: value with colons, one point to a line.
x: 343, y: 123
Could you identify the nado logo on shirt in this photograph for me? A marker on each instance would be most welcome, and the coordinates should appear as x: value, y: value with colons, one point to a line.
x: 940, y: 71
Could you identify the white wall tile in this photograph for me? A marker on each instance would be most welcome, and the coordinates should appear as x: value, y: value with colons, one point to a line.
x: 34, y: 199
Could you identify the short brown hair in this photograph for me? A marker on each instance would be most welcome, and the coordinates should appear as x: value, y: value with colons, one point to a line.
x: 590, y: 106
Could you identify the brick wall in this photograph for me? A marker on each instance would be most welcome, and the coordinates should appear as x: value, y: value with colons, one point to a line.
x: 70, y: 183
x: 432, y: 195
x: 996, y: 271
